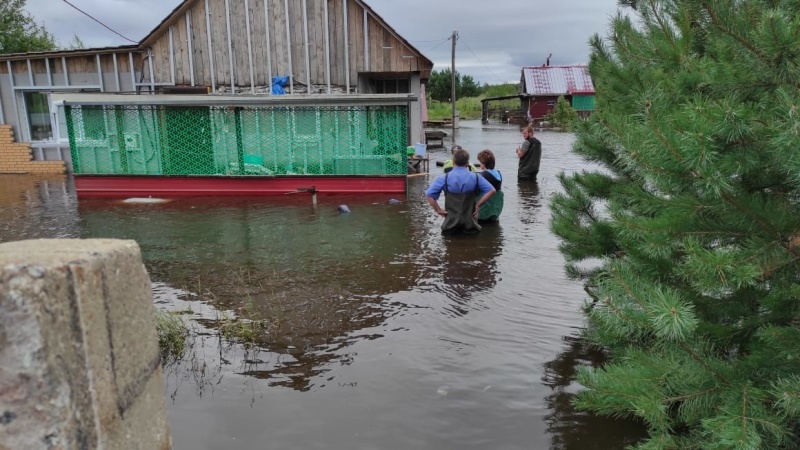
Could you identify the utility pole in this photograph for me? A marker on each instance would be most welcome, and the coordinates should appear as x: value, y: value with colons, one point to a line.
x: 453, y: 82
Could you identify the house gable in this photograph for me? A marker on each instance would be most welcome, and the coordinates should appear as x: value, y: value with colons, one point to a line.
x: 252, y: 41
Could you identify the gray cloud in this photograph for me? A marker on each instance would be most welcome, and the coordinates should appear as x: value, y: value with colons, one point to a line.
x: 496, y: 38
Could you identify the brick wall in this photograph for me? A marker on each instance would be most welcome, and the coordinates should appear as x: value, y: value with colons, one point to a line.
x: 16, y: 157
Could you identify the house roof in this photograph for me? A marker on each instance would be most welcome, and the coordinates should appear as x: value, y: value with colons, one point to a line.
x: 77, y: 52
x: 557, y: 80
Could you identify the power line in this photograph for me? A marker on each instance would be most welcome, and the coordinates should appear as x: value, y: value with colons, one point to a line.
x: 432, y: 40
x: 101, y: 23
x: 479, y: 60
x: 440, y: 43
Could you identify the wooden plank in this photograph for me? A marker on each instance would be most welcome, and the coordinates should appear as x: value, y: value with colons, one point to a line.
x: 268, y: 42
x: 187, y: 23
x: 318, y: 42
x: 297, y: 40
x: 202, y: 71
x: 280, y: 61
x: 251, y: 69
x: 258, y: 42
x: 219, y: 43
x: 327, y: 47
x: 336, y: 27
x: 306, y: 45
x: 180, y: 47
x: 356, y: 38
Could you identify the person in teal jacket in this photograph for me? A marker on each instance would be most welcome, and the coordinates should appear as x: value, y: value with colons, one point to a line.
x: 490, y: 212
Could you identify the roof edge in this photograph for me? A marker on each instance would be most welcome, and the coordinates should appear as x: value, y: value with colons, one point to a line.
x: 77, y: 52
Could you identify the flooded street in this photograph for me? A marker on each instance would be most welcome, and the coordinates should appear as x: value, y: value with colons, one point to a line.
x: 382, y: 333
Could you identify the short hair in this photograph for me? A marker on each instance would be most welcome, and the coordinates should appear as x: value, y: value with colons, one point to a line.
x: 529, y: 129
x: 487, y: 158
x: 460, y: 157
x: 456, y: 147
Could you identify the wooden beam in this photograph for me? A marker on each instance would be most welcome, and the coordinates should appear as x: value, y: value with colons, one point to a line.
x: 366, y: 41
x: 289, y: 46
x: 116, y: 72
x: 308, y: 58
x: 99, y: 73
x: 230, y: 45
x: 171, y: 56
x: 64, y: 67
x: 249, y: 45
x: 269, y: 46
x: 210, y: 50
x: 49, y: 73
x: 188, y: 19
x: 346, y: 48
x: 327, y: 49
x: 133, y: 71
x: 31, y: 81
x: 150, y: 65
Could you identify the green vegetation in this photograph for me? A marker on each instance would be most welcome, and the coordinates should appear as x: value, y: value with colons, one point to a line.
x: 563, y: 115
x: 469, y: 107
x: 440, y: 84
x: 19, y: 32
x: 172, y: 336
x: 688, y: 238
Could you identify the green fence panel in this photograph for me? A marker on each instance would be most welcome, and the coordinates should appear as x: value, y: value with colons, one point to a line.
x: 583, y: 102
x: 256, y: 141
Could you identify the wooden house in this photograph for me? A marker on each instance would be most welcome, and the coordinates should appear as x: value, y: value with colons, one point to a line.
x: 332, y: 49
x: 541, y: 87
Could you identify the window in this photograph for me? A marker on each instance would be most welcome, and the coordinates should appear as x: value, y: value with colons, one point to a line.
x: 94, y: 123
x: 37, y: 106
x: 90, y: 124
x: 390, y: 85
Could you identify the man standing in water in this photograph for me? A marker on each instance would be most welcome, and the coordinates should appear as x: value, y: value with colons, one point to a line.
x: 462, y: 189
x: 530, y: 153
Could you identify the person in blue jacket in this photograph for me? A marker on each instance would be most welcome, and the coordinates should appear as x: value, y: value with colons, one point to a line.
x: 465, y: 193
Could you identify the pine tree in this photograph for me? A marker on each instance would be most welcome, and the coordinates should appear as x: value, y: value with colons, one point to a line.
x: 688, y: 236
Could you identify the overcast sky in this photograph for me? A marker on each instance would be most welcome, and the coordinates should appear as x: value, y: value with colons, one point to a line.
x: 497, y: 37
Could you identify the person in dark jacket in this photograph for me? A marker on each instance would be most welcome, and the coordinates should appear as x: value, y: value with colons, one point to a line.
x: 529, y: 153
x: 464, y: 195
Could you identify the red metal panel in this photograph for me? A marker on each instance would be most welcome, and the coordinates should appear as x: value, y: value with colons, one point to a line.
x: 94, y: 186
x: 540, y: 106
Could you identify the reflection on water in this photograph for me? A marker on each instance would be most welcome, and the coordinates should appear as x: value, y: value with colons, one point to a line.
x: 569, y: 427
x: 382, y: 333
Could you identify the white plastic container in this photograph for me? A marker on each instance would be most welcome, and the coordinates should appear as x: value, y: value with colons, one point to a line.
x: 419, y: 149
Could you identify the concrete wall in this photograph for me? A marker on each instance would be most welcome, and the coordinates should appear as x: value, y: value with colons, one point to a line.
x: 79, y: 354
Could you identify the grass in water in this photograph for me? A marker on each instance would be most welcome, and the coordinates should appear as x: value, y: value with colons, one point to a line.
x: 172, y: 336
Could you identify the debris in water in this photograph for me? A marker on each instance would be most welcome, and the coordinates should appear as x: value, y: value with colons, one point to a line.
x: 343, y: 209
x: 443, y: 391
x: 394, y: 201
x: 143, y: 200
x: 487, y: 388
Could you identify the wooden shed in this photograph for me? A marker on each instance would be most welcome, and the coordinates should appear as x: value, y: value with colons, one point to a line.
x: 541, y: 87
x: 220, y: 47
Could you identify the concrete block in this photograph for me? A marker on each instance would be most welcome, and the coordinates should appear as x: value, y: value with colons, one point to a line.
x: 79, y: 355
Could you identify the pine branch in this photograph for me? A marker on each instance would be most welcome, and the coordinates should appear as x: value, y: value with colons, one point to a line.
x: 718, y: 24
x: 661, y: 23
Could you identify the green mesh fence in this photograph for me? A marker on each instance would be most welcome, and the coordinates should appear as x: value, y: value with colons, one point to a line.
x: 257, y: 141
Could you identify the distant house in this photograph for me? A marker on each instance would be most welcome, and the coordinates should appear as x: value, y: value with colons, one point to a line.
x: 541, y: 87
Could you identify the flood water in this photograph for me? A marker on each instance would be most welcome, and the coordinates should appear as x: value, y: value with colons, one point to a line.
x: 383, y: 334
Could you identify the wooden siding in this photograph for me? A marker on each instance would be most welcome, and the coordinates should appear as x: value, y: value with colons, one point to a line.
x: 287, y: 37
x: 82, y: 71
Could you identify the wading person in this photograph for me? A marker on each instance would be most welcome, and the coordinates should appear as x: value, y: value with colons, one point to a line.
x: 494, y: 206
x: 529, y: 153
x: 464, y: 195
x: 448, y: 165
